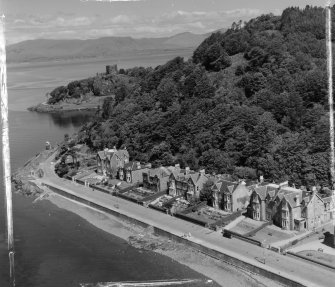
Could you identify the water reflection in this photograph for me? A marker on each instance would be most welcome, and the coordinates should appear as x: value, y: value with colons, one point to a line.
x: 75, y: 118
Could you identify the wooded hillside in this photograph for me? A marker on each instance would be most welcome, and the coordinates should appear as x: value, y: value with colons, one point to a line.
x: 252, y: 101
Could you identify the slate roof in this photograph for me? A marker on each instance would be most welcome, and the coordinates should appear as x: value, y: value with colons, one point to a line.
x: 122, y: 153
x: 159, y: 172
x: 327, y: 199
x: 111, y: 152
x: 272, y: 192
x: 225, y: 186
x: 132, y: 165
x: 290, y: 198
x: 262, y: 191
x: 102, y: 154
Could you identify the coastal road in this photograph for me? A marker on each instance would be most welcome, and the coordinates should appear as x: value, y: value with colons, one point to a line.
x: 300, y: 271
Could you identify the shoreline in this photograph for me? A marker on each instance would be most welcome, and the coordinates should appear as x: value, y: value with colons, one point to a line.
x: 90, y: 104
x: 53, y: 110
x: 144, y: 239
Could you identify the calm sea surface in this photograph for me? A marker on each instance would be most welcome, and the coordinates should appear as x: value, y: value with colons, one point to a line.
x: 55, y: 247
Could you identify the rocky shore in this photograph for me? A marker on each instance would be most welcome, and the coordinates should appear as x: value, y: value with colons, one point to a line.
x: 90, y: 103
x: 21, y: 178
x: 146, y: 240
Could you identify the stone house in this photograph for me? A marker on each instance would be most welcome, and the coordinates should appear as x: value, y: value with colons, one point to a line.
x: 283, y: 206
x: 289, y: 212
x: 289, y: 208
x: 230, y: 196
x: 110, y: 160
x: 329, y: 203
x: 156, y: 179
x: 261, y: 195
x: 186, y: 183
x: 313, y: 212
x: 132, y: 172
x: 257, y: 206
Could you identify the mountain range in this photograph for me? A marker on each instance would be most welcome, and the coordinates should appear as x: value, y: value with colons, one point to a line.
x: 56, y: 49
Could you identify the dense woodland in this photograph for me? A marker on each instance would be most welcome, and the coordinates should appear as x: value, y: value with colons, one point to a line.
x: 251, y: 101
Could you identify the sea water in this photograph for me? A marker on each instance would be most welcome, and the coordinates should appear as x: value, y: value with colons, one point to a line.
x: 55, y: 247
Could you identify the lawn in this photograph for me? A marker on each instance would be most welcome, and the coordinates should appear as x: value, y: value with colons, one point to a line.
x: 318, y: 256
x: 271, y: 234
x: 246, y: 225
x: 208, y: 214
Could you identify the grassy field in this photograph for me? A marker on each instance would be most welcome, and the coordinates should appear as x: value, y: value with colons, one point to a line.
x: 318, y: 256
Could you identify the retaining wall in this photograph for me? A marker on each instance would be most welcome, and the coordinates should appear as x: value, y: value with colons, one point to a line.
x: 206, y: 250
x: 226, y: 220
x: 191, y: 219
x: 230, y: 234
x: 310, y: 259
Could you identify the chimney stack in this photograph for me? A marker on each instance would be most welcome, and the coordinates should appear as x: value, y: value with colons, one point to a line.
x: 313, y: 189
x: 187, y: 170
x: 138, y: 165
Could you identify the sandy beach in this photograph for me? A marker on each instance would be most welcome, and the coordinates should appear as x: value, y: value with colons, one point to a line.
x: 144, y: 239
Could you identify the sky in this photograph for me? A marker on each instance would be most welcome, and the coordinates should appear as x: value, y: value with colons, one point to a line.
x: 85, y: 19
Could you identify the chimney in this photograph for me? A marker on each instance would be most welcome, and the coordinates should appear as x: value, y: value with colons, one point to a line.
x: 283, y: 184
x: 313, y: 189
x: 187, y: 170
x: 138, y: 165
x: 177, y: 166
x: 202, y: 171
x: 106, y: 151
x: 261, y: 179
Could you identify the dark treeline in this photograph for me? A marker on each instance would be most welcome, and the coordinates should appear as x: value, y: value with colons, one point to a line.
x: 251, y: 101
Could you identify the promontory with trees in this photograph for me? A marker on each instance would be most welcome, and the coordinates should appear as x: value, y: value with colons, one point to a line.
x: 251, y: 101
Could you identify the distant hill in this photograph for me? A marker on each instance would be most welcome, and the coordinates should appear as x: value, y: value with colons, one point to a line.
x: 49, y: 49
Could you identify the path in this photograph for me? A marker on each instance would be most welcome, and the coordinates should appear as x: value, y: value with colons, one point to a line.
x: 297, y: 270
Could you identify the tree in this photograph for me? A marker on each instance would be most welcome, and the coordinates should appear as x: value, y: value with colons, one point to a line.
x: 252, y: 83
x: 167, y: 93
x: 206, y: 194
x: 121, y: 93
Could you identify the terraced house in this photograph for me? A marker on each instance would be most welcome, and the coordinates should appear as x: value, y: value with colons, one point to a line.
x: 186, y: 183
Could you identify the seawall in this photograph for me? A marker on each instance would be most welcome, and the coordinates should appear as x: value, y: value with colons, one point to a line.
x: 238, y: 262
